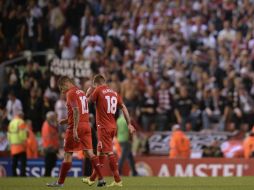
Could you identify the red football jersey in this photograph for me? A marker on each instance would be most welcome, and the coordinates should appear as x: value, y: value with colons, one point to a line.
x: 76, y: 98
x: 107, y: 101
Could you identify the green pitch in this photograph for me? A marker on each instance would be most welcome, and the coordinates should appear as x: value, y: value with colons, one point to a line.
x: 137, y: 183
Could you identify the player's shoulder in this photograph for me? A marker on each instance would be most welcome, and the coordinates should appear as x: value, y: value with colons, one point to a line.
x: 107, y: 90
x: 75, y: 91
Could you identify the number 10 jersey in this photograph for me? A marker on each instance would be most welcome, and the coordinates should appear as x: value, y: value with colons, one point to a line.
x: 76, y: 98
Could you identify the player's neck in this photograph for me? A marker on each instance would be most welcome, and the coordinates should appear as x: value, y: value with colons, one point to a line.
x: 102, y: 84
x: 71, y: 86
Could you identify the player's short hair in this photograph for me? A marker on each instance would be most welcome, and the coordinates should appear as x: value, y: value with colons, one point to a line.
x: 99, y: 79
x: 63, y: 80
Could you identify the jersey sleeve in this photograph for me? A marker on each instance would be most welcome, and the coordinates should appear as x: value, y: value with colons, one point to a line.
x: 119, y: 101
x: 94, y: 95
x: 72, y: 100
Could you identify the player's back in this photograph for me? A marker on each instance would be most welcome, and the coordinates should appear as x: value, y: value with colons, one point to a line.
x: 107, y: 101
x: 76, y: 98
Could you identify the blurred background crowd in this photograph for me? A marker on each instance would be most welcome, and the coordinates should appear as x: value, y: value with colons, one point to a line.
x: 173, y: 61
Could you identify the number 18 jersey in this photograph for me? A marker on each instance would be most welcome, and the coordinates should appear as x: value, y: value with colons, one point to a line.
x: 107, y: 101
x: 76, y: 98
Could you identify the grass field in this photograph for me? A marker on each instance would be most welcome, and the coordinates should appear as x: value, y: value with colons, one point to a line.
x: 137, y: 183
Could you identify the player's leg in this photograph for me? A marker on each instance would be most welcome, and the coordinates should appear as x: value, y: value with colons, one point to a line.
x: 102, y: 158
x: 91, y: 180
x: 65, y: 167
x: 86, y: 141
x: 96, y: 169
x: 113, y: 162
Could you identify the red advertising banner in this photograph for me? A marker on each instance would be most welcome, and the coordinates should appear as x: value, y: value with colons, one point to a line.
x: 165, y: 167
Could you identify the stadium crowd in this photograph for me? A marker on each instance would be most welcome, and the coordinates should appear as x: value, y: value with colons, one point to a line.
x: 173, y: 61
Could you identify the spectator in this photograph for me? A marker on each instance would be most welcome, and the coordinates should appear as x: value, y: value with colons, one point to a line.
x: 25, y: 91
x: 50, y: 142
x: 29, y: 71
x: 164, y: 107
x: 215, y: 109
x: 212, y: 151
x: 69, y: 44
x: 115, y: 32
x: 37, y: 73
x: 34, y: 109
x: 31, y: 32
x: 185, y: 109
x: 60, y: 108
x: 92, y: 43
x: 32, y: 144
x: 3, y: 119
x: 248, y: 145
x: 9, y: 27
x: 56, y: 22
x: 13, y: 106
x: 17, y: 137
x: 148, y: 109
x: 130, y: 91
x: 35, y: 10
x: 123, y: 138
x: 227, y: 34
x: 246, y: 106
x: 47, y: 105
x: 73, y: 13
x: 84, y: 22
x: 179, y: 143
x: 13, y: 84
x: 115, y: 83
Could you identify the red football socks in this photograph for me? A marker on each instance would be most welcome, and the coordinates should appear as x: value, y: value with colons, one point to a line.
x: 63, y: 172
x: 96, y: 168
x: 93, y: 176
x: 102, y: 161
x: 114, y: 167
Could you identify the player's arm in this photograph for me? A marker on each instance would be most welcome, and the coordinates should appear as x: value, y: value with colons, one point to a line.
x: 63, y: 121
x: 127, y: 118
x: 75, y: 121
x: 92, y: 94
x: 73, y: 101
x: 89, y: 93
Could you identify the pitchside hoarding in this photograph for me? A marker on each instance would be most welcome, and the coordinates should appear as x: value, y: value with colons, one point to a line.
x: 164, y: 167
x: 35, y: 168
x: 153, y: 166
